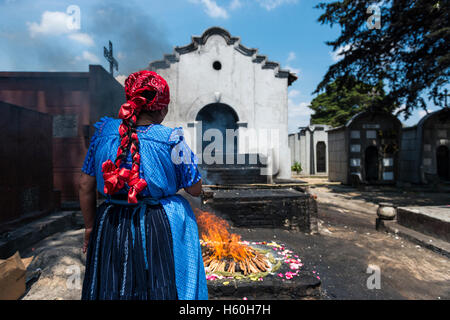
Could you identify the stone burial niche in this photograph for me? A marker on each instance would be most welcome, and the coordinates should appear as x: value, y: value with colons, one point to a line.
x: 366, y: 149
x: 425, y: 154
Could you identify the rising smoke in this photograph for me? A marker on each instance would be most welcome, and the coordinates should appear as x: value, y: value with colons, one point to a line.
x: 32, y: 44
x: 138, y: 38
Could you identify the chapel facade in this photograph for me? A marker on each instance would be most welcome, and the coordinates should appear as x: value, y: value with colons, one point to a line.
x: 231, y: 101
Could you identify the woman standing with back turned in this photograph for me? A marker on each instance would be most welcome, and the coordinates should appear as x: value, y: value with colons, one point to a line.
x: 142, y: 242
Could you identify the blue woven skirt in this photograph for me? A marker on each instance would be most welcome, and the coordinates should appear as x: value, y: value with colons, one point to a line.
x: 130, y: 254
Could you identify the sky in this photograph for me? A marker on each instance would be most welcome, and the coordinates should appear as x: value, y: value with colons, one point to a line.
x: 46, y: 35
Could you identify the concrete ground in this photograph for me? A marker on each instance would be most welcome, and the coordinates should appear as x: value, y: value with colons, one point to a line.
x: 347, y: 243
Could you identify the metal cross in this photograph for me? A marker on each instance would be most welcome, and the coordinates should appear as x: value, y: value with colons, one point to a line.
x: 109, y: 56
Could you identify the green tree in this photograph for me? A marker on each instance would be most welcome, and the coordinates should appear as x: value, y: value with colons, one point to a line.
x: 343, y: 98
x: 409, y: 49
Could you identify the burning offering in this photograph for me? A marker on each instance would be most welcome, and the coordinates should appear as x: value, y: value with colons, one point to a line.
x: 224, y: 252
x: 238, y: 269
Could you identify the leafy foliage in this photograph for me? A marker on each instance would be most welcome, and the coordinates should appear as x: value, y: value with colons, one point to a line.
x: 344, y: 98
x: 297, y: 167
x: 410, y: 52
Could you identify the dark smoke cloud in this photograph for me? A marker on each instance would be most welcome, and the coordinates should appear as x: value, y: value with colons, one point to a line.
x: 133, y: 32
x: 136, y: 34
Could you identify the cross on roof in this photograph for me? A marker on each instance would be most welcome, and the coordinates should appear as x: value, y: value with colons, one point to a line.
x: 109, y: 56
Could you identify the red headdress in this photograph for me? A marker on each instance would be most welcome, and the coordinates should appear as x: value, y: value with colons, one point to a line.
x: 145, y: 90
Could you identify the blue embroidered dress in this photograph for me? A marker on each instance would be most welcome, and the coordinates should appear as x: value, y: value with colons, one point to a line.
x: 120, y: 261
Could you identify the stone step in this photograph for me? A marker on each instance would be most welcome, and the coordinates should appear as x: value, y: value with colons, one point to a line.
x: 218, y: 179
x: 232, y: 175
x: 428, y: 242
x: 429, y: 220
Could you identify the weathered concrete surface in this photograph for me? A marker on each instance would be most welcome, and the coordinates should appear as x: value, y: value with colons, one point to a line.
x: 62, y: 263
x: 349, y: 243
x: 31, y: 233
x: 304, y: 287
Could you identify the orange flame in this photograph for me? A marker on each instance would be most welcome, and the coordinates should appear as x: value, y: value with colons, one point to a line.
x: 223, y: 244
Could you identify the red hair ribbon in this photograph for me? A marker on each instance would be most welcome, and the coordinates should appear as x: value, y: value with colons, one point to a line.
x: 114, y: 177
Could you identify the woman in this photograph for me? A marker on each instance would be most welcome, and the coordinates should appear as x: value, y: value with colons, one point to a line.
x: 142, y: 242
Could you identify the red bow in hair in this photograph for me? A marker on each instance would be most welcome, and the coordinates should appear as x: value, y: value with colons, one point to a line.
x: 132, y: 107
x: 115, y: 178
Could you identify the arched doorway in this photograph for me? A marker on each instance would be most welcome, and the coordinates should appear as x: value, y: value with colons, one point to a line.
x: 371, y: 164
x: 221, y: 117
x: 321, y: 151
x: 442, y: 162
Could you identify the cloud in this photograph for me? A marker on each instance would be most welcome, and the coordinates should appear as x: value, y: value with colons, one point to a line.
x: 235, y: 4
x: 51, y: 41
x: 291, y: 56
x: 82, y: 38
x: 212, y: 9
x: 89, y: 57
x: 272, y: 4
x: 298, y: 115
x: 336, y: 55
x: 292, y: 69
x: 52, y: 23
x: 121, y: 79
x: 55, y: 23
x: 293, y: 93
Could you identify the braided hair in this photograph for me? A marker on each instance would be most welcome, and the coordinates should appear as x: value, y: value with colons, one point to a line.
x: 145, y: 90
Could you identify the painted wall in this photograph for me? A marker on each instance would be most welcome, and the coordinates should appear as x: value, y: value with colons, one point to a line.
x: 76, y: 100
x: 26, y: 178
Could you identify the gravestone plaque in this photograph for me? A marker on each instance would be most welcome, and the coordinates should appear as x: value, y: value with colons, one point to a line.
x: 371, y: 134
x: 355, y: 148
x: 65, y: 125
x: 354, y: 134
